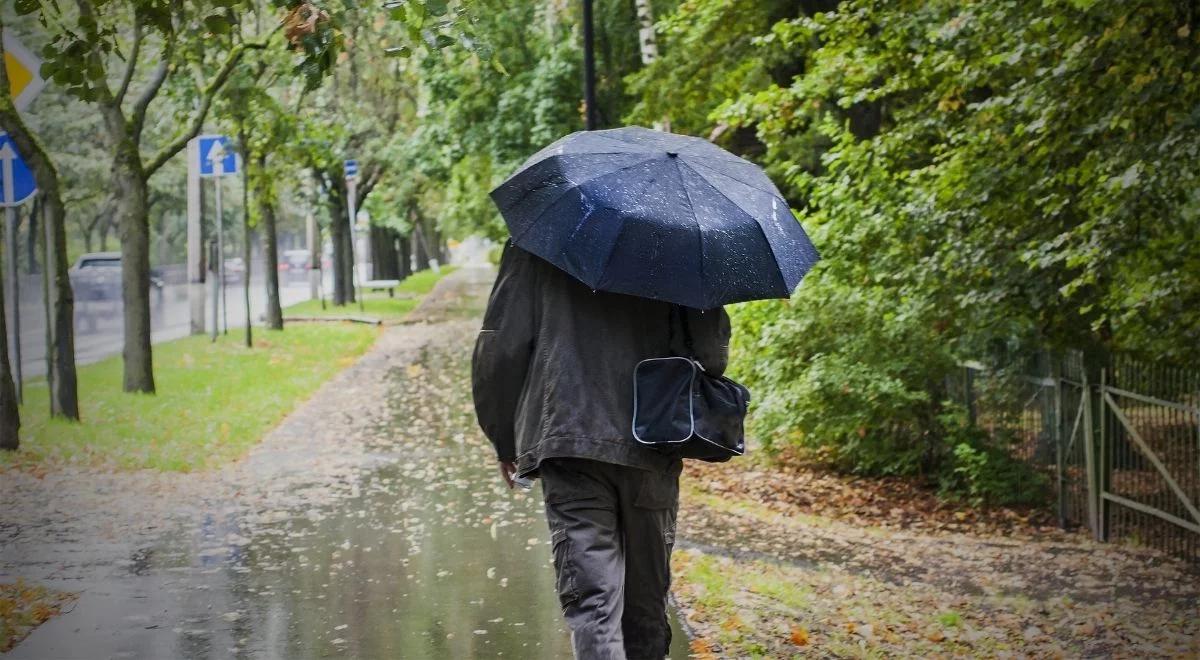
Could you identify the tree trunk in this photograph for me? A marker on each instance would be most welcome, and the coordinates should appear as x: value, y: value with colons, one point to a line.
x: 10, y: 419
x: 31, y: 238
x: 405, y: 257
x: 419, y: 246
x: 348, y: 264
x: 385, y: 260
x: 266, y: 210
x: 105, y: 227
x: 64, y: 385
x: 337, y: 235
x: 133, y: 217
x: 44, y: 241
x: 648, y: 41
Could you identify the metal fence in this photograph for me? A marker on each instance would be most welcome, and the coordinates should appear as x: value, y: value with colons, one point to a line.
x: 1118, y: 445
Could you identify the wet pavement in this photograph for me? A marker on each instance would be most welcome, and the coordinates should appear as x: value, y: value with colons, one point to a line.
x: 369, y: 524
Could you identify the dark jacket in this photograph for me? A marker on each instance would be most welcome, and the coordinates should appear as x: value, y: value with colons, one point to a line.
x: 553, y: 366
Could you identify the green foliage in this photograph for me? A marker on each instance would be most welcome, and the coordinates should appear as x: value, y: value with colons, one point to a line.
x: 982, y: 474
x: 980, y: 177
x: 489, y: 108
x: 708, y: 56
x: 378, y: 304
x: 848, y: 368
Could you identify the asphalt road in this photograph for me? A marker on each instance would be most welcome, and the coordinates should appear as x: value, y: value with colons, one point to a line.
x: 99, y: 326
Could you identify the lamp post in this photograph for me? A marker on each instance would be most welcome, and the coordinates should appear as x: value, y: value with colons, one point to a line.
x: 589, y: 68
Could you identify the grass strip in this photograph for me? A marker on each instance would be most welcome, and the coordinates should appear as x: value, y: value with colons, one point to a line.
x: 214, y: 400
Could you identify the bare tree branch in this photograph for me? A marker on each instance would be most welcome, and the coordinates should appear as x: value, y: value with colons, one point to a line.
x: 131, y: 62
x: 137, y: 119
x: 207, y: 94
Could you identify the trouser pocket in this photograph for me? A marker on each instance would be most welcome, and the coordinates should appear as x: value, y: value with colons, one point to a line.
x: 564, y: 568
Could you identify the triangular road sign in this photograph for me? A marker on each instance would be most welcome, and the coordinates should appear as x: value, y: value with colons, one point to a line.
x: 24, y: 79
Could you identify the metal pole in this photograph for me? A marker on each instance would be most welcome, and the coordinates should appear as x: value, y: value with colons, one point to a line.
x: 313, y: 236
x: 221, y: 255
x: 14, y: 290
x: 352, y: 198
x: 195, y: 242
x: 212, y: 275
x: 589, y: 68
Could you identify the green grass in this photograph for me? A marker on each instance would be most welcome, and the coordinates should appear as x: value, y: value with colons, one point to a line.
x: 214, y: 401
x: 377, y: 304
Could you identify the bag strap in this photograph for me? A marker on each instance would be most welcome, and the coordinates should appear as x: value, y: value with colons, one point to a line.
x: 687, y: 331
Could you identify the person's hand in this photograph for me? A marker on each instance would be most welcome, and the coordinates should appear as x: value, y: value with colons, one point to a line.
x: 507, y: 470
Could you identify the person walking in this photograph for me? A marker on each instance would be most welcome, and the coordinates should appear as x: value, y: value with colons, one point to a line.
x: 552, y: 372
x: 626, y: 243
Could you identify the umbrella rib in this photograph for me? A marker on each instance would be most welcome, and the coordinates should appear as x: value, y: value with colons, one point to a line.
x: 625, y: 143
x: 613, y: 249
x: 778, y: 266
x: 734, y: 178
x: 574, y: 186
x: 581, y: 153
x: 699, y: 229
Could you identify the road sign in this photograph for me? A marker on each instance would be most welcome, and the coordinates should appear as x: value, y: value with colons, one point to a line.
x: 16, y: 183
x: 216, y: 158
x: 351, y: 167
x: 24, y: 80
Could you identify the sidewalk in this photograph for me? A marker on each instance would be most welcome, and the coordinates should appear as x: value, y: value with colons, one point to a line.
x: 369, y: 524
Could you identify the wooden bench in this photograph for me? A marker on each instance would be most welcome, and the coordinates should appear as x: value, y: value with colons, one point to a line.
x: 381, y: 285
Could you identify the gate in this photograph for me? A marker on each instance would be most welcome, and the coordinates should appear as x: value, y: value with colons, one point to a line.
x: 1122, y: 454
x: 1150, y: 444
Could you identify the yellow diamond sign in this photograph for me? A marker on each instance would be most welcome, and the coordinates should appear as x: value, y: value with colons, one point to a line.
x: 23, y: 78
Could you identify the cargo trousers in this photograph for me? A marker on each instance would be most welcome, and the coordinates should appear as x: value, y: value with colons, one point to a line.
x: 612, y: 529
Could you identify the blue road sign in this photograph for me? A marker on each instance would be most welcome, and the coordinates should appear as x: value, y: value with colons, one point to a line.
x: 351, y: 169
x: 216, y: 149
x: 23, y: 185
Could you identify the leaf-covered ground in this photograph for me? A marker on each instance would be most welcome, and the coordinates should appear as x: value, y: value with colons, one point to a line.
x: 792, y: 561
x: 24, y: 607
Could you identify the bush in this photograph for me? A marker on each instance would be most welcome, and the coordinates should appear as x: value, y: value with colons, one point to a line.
x: 982, y: 474
x: 849, y: 370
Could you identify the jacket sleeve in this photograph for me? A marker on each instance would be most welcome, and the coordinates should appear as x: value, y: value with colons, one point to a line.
x: 504, y: 348
x: 710, y: 334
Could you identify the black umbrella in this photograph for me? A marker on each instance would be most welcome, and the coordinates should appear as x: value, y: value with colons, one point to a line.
x: 657, y: 215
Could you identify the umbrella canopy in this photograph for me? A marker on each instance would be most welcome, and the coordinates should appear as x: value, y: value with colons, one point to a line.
x: 657, y: 215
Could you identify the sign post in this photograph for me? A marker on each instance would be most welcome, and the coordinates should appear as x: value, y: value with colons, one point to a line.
x: 18, y: 186
x: 195, y: 242
x: 351, y: 169
x: 313, y: 238
x: 215, y: 161
x: 217, y: 156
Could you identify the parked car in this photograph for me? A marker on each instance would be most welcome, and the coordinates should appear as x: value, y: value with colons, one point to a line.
x: 294, y: 264
x: 235, y: 269
x: 96, y: 283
